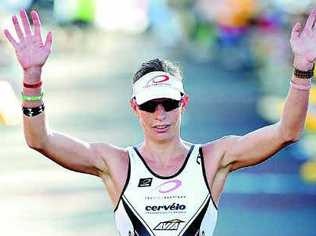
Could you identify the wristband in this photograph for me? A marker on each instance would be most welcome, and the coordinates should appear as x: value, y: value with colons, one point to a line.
x: 304, y: 74
x: 36, y: 85
x: 33, y: 111
x: 32, y: 98
x: 301, y: 86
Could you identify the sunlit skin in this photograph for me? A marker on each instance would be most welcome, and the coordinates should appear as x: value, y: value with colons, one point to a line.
x: 148, y: 120
x: 161, y: 140
x: 30, y: 43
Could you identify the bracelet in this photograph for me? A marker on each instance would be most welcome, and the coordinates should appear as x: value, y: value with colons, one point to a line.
x: 33, y: 111
x: 304, y: 74
x: 32, y: 98
x: 36, y: 85
x: 301, y: 86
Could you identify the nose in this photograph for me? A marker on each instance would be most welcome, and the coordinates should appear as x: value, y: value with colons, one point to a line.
x: 160, y: 113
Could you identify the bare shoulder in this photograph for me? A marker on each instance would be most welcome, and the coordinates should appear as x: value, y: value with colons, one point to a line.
x: 215, y: 150
x: 113, y: 156
x: 109, y: 150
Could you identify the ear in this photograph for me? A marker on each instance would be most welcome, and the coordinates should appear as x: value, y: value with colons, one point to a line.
x: 133, y: 105
x: 184, y: 102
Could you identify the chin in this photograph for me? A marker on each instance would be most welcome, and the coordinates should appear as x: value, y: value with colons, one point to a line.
x: 162, y: 138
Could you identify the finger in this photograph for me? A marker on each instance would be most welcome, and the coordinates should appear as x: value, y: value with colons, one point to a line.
x: 26, y: 23
x: 49, y: 41
x: 296, y: 31
x: 310, y: 20
x: 10, y: 38
x: 36, y: 24
x: 17, y: 27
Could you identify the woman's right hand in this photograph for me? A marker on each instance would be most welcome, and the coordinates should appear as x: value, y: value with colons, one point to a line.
x: 31, y: 52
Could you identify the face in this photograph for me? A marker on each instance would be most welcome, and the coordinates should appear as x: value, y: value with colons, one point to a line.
x: 160, y: 125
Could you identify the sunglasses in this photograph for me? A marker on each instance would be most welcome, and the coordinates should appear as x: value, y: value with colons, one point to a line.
x: 168, y: 105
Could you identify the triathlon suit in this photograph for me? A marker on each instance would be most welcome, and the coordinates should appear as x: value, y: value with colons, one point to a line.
x: 180, y: 204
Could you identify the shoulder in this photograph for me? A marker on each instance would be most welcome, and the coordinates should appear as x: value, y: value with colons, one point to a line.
x: 219, y: 145
x: 105, y: 150
x: 216, y: 149
x: 113, y: 156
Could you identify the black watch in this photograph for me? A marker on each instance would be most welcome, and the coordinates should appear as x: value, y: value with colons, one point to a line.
x: 304, y: 74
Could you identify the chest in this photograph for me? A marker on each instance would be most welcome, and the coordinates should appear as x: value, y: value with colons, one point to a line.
x: 181, y: 191
x: 168, y: 169
x: 177, y: 204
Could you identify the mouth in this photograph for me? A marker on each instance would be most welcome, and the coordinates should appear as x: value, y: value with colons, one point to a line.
x: 161, y: 128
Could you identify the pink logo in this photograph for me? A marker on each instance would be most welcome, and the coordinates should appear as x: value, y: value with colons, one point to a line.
x: 160, y: 79
x: 169, y: 186
x: 157, y: 80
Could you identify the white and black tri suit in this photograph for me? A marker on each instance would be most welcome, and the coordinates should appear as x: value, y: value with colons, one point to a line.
x: 180, y: 204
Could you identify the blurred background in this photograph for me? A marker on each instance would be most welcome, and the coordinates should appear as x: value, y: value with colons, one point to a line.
x: 236, y: 62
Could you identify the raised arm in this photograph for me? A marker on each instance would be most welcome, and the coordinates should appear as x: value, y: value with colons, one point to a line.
x: 257, y: 146
x: 67, y: 151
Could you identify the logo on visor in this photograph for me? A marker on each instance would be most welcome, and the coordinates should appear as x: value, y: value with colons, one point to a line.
x: 160, y: 79
x: 157, y: 80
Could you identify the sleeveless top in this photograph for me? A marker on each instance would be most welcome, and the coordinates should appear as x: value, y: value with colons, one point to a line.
x: 180, y: 204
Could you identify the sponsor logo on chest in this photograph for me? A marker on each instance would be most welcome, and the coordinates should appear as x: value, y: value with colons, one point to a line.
x: 169, y: 225
x: 145, y: 182
x: 170, y: 207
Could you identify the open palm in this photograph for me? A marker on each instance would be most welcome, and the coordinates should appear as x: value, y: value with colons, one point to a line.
x: 303, y: 40
x: 30, y: 49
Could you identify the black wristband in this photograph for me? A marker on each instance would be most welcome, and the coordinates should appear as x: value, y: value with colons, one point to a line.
x: 33, y: 111
x: 304, y: 74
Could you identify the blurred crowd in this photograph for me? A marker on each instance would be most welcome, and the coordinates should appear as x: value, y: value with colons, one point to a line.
x: 250, y: 35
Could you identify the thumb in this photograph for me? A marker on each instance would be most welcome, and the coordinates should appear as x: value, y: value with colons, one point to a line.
x: 49, y: 41
x: 296, y: 31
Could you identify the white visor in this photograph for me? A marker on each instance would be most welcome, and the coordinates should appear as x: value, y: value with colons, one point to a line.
x: 157, y: 84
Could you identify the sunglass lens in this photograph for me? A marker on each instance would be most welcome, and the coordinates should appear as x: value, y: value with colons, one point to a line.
x: 149, y: 106
x: 167, y: 104
x: 170, y: 104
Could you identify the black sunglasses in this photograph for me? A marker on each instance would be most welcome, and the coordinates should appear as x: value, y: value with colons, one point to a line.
x: 168, y: 105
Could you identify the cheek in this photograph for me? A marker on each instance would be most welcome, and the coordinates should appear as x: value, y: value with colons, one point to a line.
x: 175, y: 116
x: 144, y: 119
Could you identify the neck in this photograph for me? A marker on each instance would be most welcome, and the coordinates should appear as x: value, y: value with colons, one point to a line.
x: 163, y: 152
